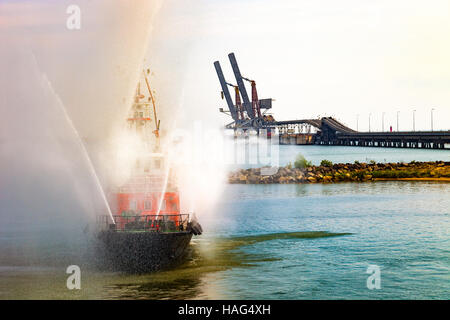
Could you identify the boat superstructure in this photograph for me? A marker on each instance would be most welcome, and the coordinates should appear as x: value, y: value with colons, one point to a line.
x: 146, y: 232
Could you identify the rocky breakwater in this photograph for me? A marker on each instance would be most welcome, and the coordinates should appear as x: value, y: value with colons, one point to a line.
x: 345, y: 172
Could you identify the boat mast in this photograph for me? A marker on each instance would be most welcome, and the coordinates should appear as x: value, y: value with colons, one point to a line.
x: 157, y: 122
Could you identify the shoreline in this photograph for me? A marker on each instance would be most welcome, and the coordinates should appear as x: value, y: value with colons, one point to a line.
x: 344, y: 172
x: 441, y: 179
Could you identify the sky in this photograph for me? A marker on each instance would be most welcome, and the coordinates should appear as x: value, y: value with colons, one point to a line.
x: 92, y: 69
x: 348, y: 59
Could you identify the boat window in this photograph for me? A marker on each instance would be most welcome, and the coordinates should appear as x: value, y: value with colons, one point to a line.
x: 133, y: 205
x: 148, y: 205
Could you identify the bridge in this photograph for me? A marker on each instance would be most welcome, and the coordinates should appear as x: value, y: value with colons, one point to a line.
x: 252, y: 115
x: 332, y: 132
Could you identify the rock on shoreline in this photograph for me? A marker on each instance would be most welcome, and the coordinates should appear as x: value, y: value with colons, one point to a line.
x: 342, y: 172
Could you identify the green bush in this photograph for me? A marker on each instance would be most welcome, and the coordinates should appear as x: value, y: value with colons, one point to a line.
x: 301, y: 162
x: 395, y: 174
x: 385, y: 174
x: 326, y: 163
x: 405, y: 174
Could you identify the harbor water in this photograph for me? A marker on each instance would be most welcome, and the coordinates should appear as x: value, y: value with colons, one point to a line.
x: 311, y: 241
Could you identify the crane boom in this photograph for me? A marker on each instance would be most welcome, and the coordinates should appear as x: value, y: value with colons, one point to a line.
x: 225, y: 91
x: 241, y: 85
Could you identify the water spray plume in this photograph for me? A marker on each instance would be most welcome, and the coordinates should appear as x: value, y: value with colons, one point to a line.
x: 83, y: 151
x: 164, y: 188
x: 58, y: 131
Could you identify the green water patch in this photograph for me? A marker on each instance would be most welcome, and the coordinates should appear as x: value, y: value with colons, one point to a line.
x: 206, y: 258
x: 206, y: 264
x: 224, y: 253
x: 287, y: 235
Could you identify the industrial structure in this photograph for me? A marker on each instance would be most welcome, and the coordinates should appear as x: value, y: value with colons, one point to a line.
x: 246, y: 114
x: 252, y: 115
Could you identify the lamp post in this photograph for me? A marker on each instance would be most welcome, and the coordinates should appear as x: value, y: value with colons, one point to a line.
x: 432, y: 109
x: 398, y: 112
x: 369, y: 121
x: 414, y: 120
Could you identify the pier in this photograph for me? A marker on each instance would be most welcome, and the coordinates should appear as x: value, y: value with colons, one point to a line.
x: 332, y: 132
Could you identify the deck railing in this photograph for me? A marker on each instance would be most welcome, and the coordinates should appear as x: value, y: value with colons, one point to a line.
x: 149, y: 223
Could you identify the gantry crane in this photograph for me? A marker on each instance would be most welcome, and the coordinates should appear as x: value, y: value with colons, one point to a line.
x: 246, y: 114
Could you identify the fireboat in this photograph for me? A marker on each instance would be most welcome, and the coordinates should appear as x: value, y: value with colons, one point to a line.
x: 146, y: 231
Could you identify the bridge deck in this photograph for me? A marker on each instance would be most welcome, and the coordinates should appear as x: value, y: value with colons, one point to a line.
x: 333, y: 132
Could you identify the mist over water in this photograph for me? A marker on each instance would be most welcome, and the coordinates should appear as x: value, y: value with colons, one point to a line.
x: 65, y: 98
x: 191, y: 128
x: 62, y: 92
x: 48, y: 188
